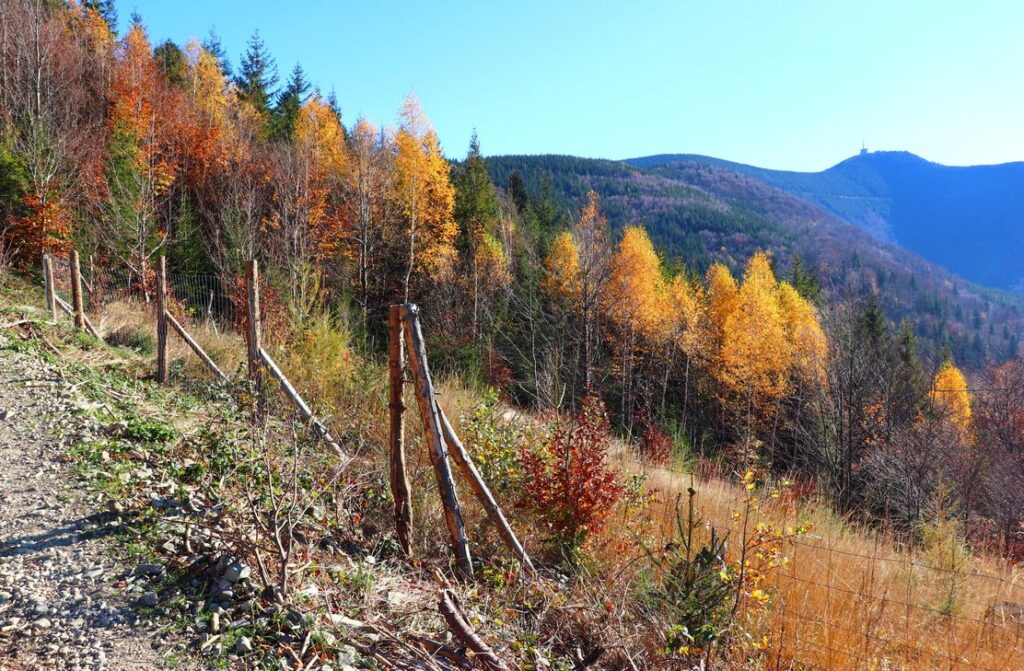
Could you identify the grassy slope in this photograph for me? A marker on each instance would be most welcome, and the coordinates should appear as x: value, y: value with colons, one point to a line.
x: 844, y: 599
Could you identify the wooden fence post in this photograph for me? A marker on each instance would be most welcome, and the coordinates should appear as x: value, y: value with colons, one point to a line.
x: 161, y: 320
x: 76, y: 290
x: 433, y: 435
x: 48, y: 280
x: 252, y: 335
x: 396, y: 434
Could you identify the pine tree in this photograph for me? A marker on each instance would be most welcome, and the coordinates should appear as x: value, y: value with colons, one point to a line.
x: 173, y: 64
x: 517, y: 192
x: 478, y: 215
x: 257, y: 76
x: 291, y: 100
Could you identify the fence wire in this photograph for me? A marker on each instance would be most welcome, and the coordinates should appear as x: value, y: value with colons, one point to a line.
x: 197, y: 296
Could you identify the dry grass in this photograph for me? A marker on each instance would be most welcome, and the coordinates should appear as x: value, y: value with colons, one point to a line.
x: 851, y: 599
x: 226, y: 348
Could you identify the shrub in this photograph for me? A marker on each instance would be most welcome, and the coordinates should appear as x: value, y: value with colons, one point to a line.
x: 655, y: 445
x: 567, y: 482
x: 493, y: 445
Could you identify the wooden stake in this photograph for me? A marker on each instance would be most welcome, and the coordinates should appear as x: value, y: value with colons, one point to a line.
x: 176, y: 325
x: 51, y: 292
x: 483, y: 493
x: 396, y: 434
x: 161, y: 320
x: 66, y: 307
x: 252, y: 335
x: 76, y: 290
x: 432, y: 434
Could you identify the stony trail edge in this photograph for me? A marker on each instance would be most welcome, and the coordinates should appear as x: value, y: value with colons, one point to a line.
x: 62, y: 599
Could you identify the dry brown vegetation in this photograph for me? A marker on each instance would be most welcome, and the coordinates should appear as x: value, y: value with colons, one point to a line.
x: 846, y: 597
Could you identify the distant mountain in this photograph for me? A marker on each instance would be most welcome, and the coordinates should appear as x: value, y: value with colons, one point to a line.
x: 704, y: 211
x: 969, y: 220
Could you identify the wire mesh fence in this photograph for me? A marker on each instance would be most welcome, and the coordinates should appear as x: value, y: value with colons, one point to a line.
x: 199, y: 297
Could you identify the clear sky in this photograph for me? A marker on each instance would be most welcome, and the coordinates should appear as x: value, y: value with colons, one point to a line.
x: 780, y: 84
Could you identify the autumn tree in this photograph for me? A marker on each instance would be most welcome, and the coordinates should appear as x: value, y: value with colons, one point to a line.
x: 369, y: 211
x: 143, y: 159
x: 949, y: 393
x: 636, y: 303
x: 424, y: 198
x: 307, y: 219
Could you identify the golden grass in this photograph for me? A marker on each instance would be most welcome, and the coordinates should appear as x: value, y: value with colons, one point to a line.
x: 226, y: 348
x: 852, y: 599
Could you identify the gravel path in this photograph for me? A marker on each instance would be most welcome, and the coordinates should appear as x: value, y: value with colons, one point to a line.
x: 59, y: 608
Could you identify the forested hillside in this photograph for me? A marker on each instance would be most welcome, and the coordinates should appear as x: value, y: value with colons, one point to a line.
x: 607, y: 338
x: 965, y: 219
x: 705, y: 212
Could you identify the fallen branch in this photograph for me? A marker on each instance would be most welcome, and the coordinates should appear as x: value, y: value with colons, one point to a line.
x: 462, y: 630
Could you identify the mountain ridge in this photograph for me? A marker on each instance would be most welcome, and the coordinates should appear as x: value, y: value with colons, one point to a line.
x: 968, y: 219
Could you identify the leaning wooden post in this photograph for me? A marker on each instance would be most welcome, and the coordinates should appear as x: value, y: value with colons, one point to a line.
x: 432, y: 433
x: 483, y: 493
x: 76, y: 290
x: 161, y: 320
x: 396, y: 434
x: 252, y: 335
x: 51, y: 289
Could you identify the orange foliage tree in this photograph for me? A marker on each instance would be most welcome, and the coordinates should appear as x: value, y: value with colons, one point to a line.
x: 425, y: 199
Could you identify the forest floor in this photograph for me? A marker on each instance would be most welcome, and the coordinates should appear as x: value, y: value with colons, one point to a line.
x: 63, y: 597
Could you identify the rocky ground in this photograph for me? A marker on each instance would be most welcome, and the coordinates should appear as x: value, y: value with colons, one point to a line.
x: 63, y: 597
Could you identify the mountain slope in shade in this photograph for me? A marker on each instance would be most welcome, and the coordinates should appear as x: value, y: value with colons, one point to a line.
x: 703, y: 213
x: 969, y: 220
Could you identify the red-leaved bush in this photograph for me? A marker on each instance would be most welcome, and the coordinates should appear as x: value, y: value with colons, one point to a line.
x: 567, y: 481
x: 654, y: 444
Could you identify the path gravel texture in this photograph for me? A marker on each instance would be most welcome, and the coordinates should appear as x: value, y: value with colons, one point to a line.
x: 60, y: 606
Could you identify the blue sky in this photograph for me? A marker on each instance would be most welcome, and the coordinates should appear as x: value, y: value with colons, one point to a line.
x: 775, y: 83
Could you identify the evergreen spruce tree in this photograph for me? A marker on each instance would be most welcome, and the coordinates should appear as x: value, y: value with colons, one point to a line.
x: 517, y: 192
x: 805, y: 281
x: 172, y: 62
x: 212, y: 44
x: 289, y: 103
x: 476, y: 199
x: 257, y: 76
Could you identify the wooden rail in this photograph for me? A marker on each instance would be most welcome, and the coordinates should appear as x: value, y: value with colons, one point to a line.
x: 304, y: 411
x: 203, y: 356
